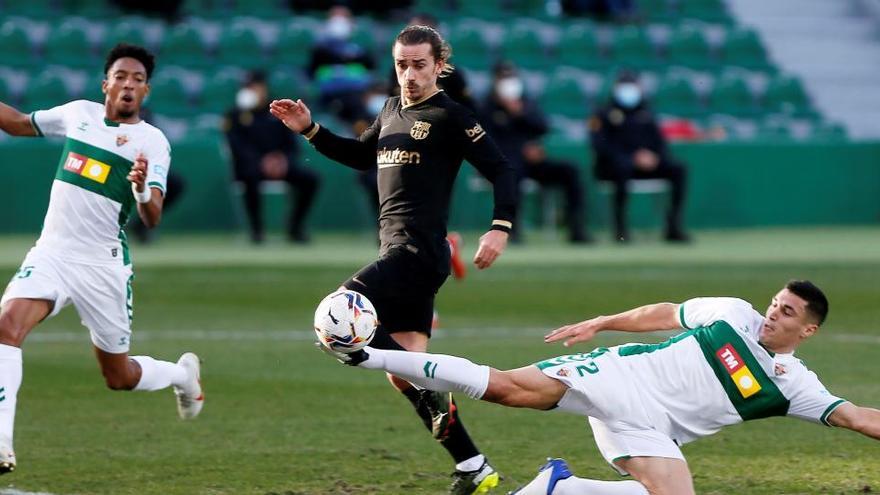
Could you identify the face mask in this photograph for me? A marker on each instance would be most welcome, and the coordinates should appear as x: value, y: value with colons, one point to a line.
x: 509, y: 88
x: 338, y: 28
x: 246, y: 99
x: 375, y: 104
x: 628, y: 95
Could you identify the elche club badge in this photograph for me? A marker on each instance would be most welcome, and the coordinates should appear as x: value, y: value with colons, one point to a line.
x: 121, y: 139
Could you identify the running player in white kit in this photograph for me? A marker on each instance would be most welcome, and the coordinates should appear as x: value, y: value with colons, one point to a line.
x: 644, y: 401
x: 111, y: 161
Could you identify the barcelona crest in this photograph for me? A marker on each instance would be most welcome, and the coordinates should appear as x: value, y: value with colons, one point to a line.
x: 420, y: 130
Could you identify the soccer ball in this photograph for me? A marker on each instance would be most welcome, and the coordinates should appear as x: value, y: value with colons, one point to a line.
x: 345, y: 321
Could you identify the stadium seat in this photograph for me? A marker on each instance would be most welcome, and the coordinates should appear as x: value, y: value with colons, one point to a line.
x: 219, y: 89
x: 564, y: 95
x: 293, y: 45
x: 632, y: 47
x: 676, y: 96
x: 130, y: 30
x: 35, y: 9
x: 239, y: 45
x: 6, y: 95
x: 16, y: 48
x: 285, y: 82
x: 705, y: 10
x: 168, y: 96
x: 183, y: 45
x: 743, y: 48
x: 91, y: 9
x: 268, y: 9
x: 689, y: 47
x: 731, y: 95
x: 579, y: 47
x: 68, y: 44
x: 785, y: 94
x: 45, y: 90
x: 524, y: 46
x: 469, y: 47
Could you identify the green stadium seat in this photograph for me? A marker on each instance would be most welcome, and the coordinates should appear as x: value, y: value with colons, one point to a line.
x: 92, y: 9
x: 563, y: 95
x: 287, y: 83
x: 68, y: 44
x: 632, y: 47
x: 130, y: 30
x: 829, y: 131
x: 268, y: 9
x: 676, y: 96
x: 732, y: 96
x: 168, y: 96
x: 689, y: 47
x: 45, y: 90
x: 525, y: 48
x: 219, y: 89
x: 785, y: 94
x: 16, y: 48
x: 469, y: 47
x: 656, y: 10
x: 742, y: 47
x: 294, y: 45
x: 183, y: 45
x: 239, y: 45
x: 579, y: 47
x: 705, y: 10
x: 35, y: 9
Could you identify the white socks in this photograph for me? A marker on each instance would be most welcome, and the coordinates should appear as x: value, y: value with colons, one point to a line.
x: 156, y: 375
x: 580, y: 486
x: 10, y: 381
x: 437, y: 372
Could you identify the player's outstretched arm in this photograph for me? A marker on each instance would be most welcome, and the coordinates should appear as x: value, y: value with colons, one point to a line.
x: 650, y: 318
x: 864, y: 420
x: 14, y: 122
x: 149, y: 199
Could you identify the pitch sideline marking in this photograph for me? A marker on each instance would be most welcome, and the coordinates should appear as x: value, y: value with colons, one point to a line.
x: 13, y: 491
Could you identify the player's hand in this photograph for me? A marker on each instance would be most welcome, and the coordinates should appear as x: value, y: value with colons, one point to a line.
x: 576, y: 332
x: 492, y: 244
x: 138, y: 173
x: 294, y: 114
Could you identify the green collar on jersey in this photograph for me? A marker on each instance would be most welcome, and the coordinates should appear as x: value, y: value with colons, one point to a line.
x: 110, y: 123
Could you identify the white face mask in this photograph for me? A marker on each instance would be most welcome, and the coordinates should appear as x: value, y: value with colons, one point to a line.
x: 628, y: 95
x: 247, y: 99
x: 509, y: 88
x: 339, y: 27
x: 375, y: 104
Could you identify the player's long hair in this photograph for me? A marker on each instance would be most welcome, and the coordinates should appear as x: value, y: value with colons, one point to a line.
x: 416, y: 35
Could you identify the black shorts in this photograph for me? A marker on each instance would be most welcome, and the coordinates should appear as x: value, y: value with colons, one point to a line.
x: 401, y: 285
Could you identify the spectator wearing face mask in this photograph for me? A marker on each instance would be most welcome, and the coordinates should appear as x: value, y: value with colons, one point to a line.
x: 263, y: 149
x: 341, y: 68
x: 518, y: 126
x: 628, y: 145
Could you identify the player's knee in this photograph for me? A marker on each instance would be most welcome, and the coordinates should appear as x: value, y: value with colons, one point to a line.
x: 11, y: 332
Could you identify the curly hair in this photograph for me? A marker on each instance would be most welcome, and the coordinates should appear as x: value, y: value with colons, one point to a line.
x: 138, y: 53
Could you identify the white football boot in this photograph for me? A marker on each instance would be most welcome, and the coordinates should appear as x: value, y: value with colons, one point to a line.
x: 190, y: 398
x: 7, y: 456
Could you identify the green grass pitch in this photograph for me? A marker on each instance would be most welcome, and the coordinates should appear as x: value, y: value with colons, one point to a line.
x: 283, y: 419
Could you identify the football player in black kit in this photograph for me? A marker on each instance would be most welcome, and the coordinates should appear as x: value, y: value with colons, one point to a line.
x: 418, y: 142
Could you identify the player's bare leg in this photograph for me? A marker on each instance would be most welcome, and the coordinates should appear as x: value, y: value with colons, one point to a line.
x: 124, y: 372
x: 17, y: 318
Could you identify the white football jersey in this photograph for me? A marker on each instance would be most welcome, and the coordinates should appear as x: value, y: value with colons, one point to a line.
x: 91, y: 197
x: 712, y: 375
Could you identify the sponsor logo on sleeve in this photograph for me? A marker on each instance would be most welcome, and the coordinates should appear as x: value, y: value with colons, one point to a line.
x: 87, y: 167
x: 475, y: 133
x: 742, y: 377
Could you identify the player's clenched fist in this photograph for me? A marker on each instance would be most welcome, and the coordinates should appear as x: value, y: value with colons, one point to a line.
x: 138, y: 173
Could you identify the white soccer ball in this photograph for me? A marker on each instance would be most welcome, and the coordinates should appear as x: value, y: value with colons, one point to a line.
x: 345, y: 321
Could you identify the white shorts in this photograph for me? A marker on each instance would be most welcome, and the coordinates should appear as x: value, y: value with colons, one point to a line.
x: 603, y: 388
x: 101, y: 294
